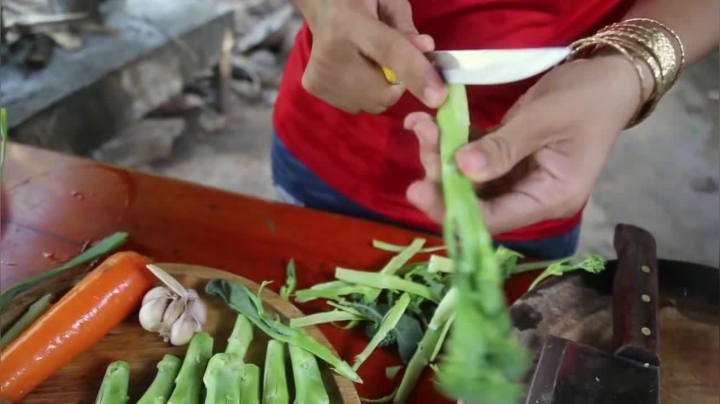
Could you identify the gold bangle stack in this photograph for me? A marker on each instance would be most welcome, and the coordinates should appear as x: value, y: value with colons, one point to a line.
x: 640, y: 40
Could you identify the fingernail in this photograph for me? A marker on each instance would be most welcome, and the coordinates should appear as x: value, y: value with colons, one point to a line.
x: 434, y: 97
x: 471, y: 161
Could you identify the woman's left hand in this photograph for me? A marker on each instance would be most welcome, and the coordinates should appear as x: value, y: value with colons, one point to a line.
x: 561, y: 130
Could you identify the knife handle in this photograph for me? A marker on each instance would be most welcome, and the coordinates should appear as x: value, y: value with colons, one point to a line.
x: 635, y: 295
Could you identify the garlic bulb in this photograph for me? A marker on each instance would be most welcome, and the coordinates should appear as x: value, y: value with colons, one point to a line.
x: 172, y: 311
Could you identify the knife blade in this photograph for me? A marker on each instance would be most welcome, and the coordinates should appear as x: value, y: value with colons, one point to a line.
x: 491, y: 66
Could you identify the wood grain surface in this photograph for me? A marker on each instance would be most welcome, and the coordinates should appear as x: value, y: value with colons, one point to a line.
x: 79, y: 381
x: 52, y: 205
x: 689, y: 344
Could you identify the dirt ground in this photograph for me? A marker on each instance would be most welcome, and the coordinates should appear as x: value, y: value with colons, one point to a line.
x: 663, y: 175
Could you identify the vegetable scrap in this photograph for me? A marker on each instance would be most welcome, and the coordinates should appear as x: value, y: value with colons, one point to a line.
x: 290, y: 281
x: 172, y: 311
x: 55, y: 338
x: 413, y: 306
x: 107, y: 245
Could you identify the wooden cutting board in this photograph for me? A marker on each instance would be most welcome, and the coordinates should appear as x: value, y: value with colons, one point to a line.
x: 79, y: 381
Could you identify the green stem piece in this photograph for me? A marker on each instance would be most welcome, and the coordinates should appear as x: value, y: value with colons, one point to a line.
x: 164, y: 382
x: 223, y: 379
x: 189, y: 381
x: 250, y: 384
x: 275, y: 387
x: 324, y: 317
x: 290, y: 281
x: 105, y: 246
x: 33, y: 312
x: 387, y: 325
x: 383, y: 281
x: 114, y: 387
x: 309, y: 387
x: 241, y: 337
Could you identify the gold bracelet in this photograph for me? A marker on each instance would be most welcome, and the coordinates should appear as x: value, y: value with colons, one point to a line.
x: 640, y: 39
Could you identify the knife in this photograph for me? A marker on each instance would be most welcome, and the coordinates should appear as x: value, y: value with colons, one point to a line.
x: 491, y: 66
x: 569, y: 372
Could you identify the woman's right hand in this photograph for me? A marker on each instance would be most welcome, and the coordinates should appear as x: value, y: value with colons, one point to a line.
x: 352, y: 39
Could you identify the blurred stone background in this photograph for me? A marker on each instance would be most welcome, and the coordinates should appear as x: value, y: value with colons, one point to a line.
x: 663, y: 175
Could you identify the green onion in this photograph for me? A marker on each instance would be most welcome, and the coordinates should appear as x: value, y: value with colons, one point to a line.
x: 33, y: 312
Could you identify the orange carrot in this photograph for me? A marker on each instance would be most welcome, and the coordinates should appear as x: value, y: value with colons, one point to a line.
x: 80, y: 319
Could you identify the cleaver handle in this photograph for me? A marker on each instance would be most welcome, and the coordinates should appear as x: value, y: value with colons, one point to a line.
x: 635, y: 296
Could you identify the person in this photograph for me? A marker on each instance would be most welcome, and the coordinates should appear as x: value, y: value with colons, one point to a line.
x: 348, y: 141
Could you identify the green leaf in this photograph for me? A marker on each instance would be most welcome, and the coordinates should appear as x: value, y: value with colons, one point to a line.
x: 408, y: 334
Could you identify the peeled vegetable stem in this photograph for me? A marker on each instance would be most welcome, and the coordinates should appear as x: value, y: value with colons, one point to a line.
x: 249, y: 384
x: 222, y: 379
x: 33, y: 312
x: 114, y: 387
x: 245, y: 302
x: 189, y: 381
x: 275, y: 389
x: 388, y: 324
x: 309, y: 388
x: 593, y: 264
x: 241, y: 337
x: 164, y: 382
x: 105, y: 246
x: 482, y: 362
x: 290, y: 281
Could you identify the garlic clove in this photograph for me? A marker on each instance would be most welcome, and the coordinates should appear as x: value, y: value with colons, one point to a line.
x: 159, y: 292
x: 196, y: 308
x: 173, y: 312
x: 183, y: 330
x: 151, y: 314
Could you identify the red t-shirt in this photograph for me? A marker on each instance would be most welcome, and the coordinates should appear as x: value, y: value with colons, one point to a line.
x: 371, y: 159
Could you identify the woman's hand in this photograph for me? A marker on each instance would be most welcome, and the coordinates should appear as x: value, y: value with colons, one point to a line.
x: 352, y: 39
x: 545, y: 158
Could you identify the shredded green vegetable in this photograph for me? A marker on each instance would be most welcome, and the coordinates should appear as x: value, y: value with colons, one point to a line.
x: 105, y: 246
x: 387, y: 325
x: 383, y: 281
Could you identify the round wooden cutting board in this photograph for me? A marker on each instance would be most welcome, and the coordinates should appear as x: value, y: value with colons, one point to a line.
x: 79, y: 381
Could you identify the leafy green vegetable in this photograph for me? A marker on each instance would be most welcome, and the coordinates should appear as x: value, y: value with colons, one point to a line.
x: 482, y: 362
x: 189, y: 381
x: 223, y: 379
x: 593, y: 263
x: 324, y: 317
x: 250, y: 305
x: 408, y: 334
x: 290, y: 281
x: 33, y: 312
x: 417, y: 364
x: 386, y: 326
x: 105, y: 246
x: 114, y: 387
x: 309, y: 387
x: 333, y: 291
x: 275, y: 388
x: 164, y: 382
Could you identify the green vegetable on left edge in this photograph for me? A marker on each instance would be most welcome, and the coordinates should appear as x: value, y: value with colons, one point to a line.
x: 114, y: 387
x: 33, y: 312
x: 309, y: 387
x: 240, y: 298
x: 105, y: 246
x: 223, y: 379
x: 189, y: 381
x: 250, y: 384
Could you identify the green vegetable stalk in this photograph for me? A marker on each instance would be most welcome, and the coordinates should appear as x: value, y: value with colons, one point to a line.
x: 250, y: 384
x: 105, y: 246
x: 592, y: 263
x: 161, y: 388
x: 188, y: 383
x: 241, y: 337
x: 482, y: 362
x: 243, y: 301
x: 275, y: 388
x: 223, y: 379
x: 383, y: 281
x: 290, y: 281
x: 33, y: 312
x: 309, y: 387
x: 114, y: 387
x: 324, y: 317
x: 417, y: 364
x: 387, y: 325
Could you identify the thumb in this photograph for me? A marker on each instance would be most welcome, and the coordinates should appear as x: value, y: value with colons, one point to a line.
x: 495, y: 154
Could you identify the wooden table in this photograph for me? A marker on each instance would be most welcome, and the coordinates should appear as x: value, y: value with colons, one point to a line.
x: 52, y: 204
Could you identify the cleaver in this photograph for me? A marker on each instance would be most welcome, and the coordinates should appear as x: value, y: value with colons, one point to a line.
x: 491, y: 66
x: 569, y: 372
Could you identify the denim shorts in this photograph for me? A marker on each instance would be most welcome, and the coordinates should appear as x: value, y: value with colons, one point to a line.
x: 296, y: 184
